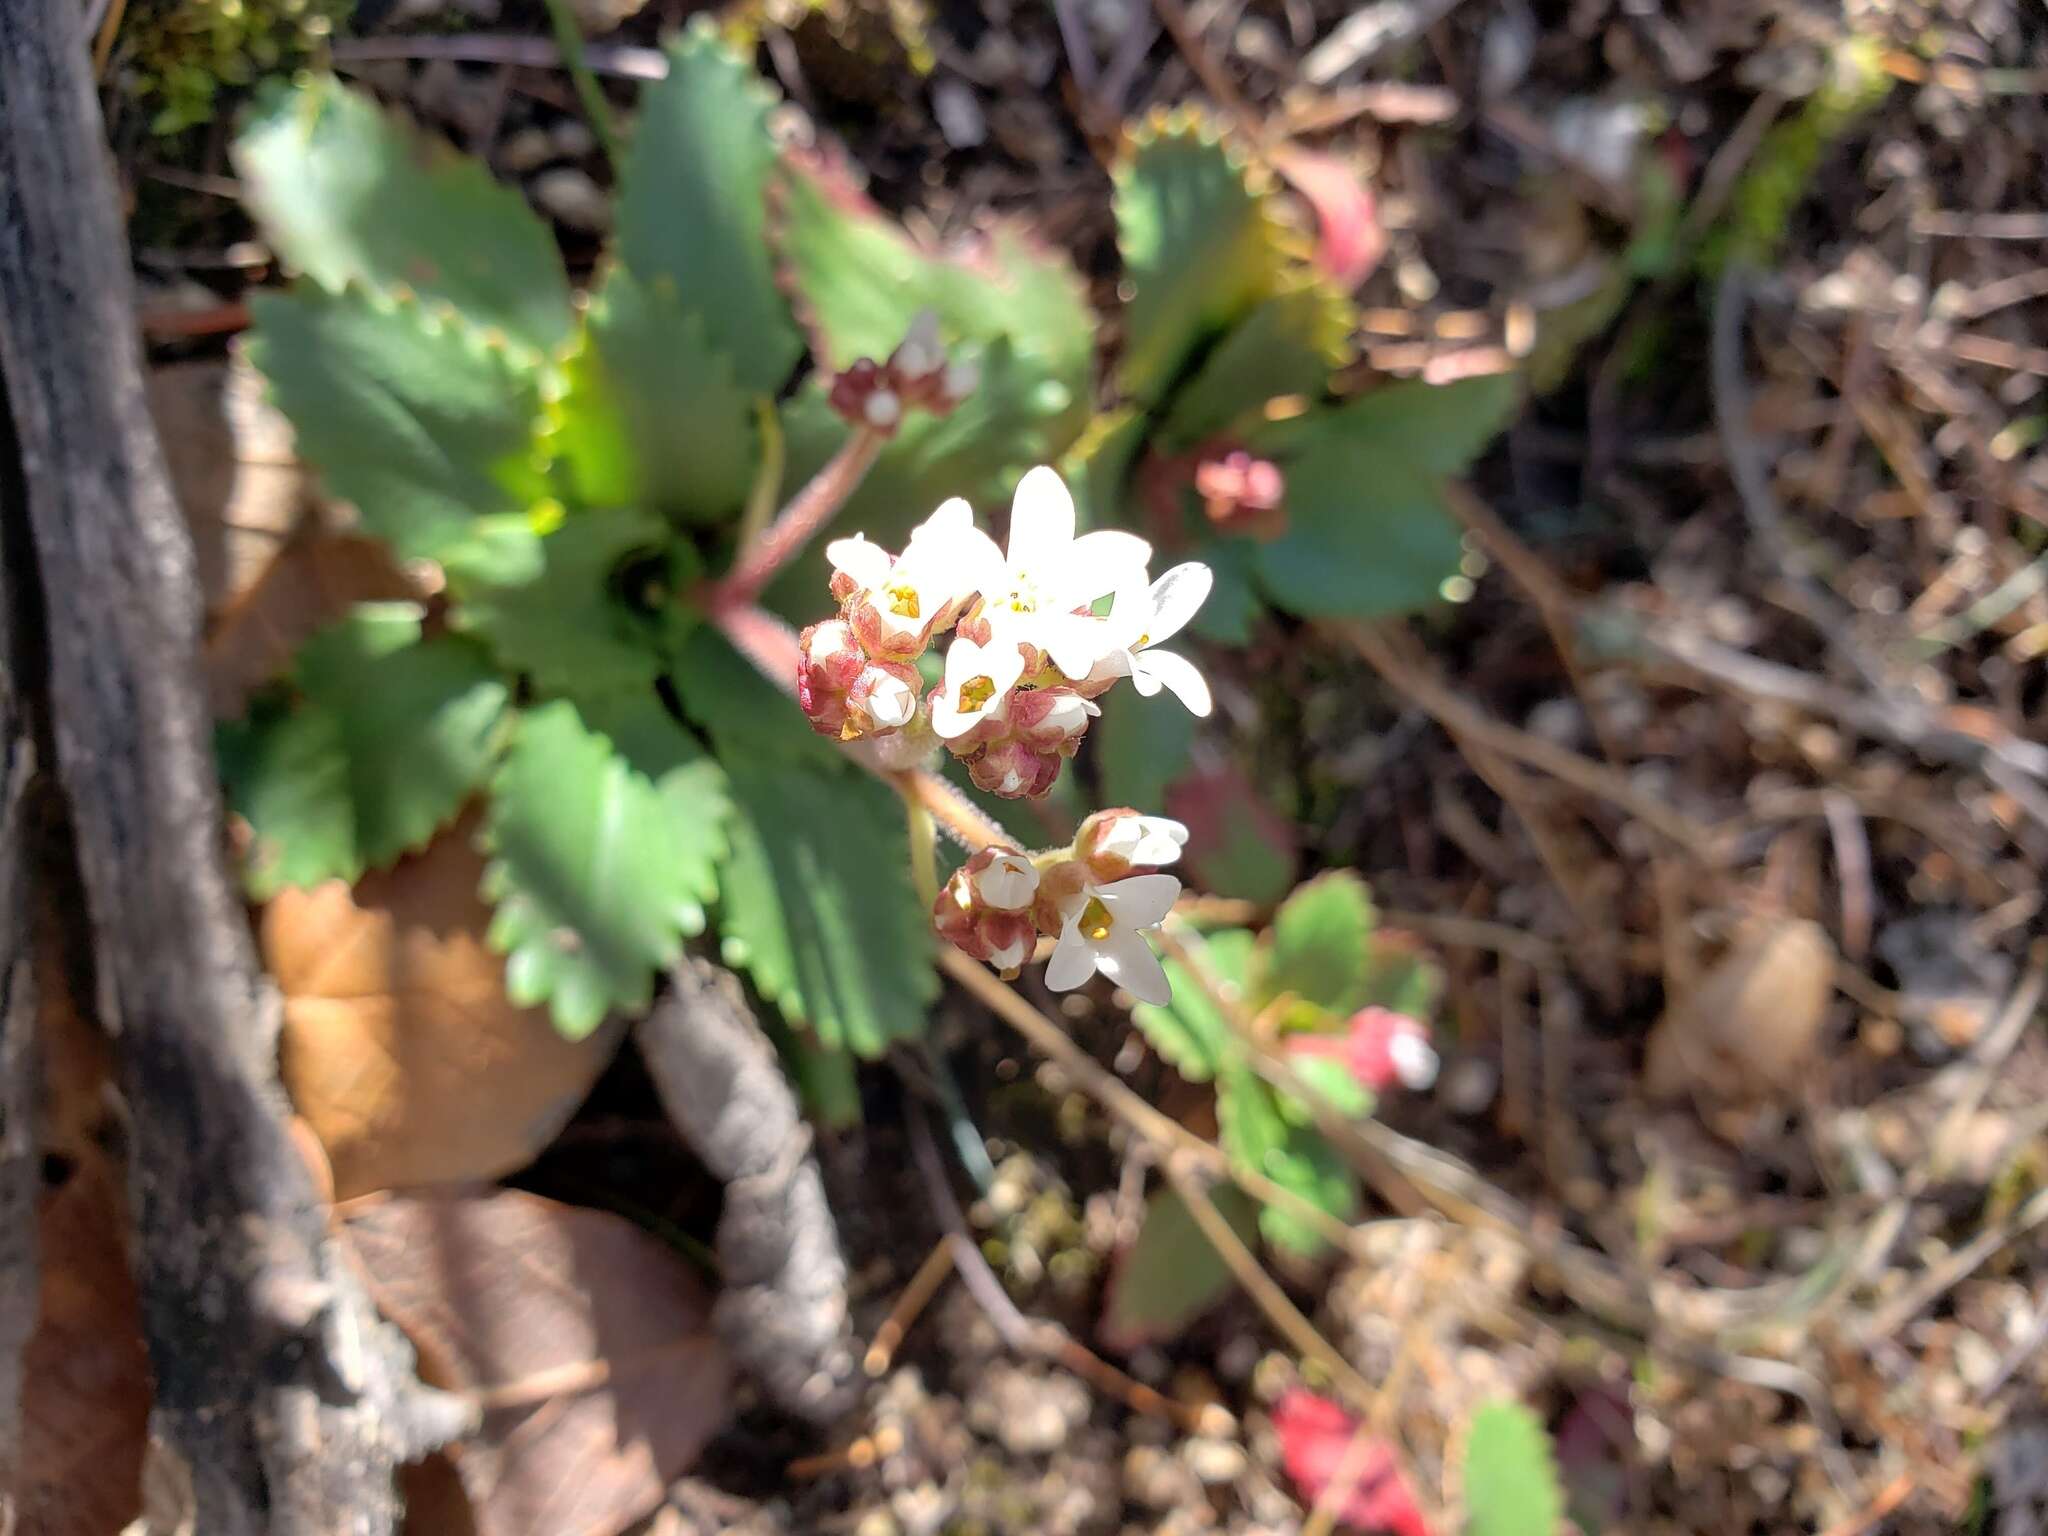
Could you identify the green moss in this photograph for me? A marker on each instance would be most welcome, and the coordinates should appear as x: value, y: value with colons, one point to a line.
x: 182, y: 61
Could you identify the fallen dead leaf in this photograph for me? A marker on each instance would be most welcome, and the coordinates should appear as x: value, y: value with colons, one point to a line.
x: 1751, y: 1026
x: 400, y: 1048
x: 308, y: 583
x: 86, y: 1385
x: 237, y: 480
x: 588, y: 1343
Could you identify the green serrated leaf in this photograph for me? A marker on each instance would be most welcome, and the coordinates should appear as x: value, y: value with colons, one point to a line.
x: 1318, y: 943
x: 1259, y: 1133
x: 420, y: 722
x: 1189, y: 1032
x: 1367, y: 532
x: 862, y: 282
x: 1171, y: 1274
x: 1233, y: 609
x: 572, y: 625
x: 650, y: 414
x: 1140, y: 746
x: 416, y: 419
x: 285, y: 773
x: 1280, y: 348
x: 1401, y: 977
x: 1333, y: 1081
x: 346, y: 195
x: 692, y: 216
x: 1100, y: 466
x: 690, y: 782
x: 1200, y: 248
x: 1510, y: 1478
x: 389, y: 736
x: 816, y: 902
x: 598, y: 870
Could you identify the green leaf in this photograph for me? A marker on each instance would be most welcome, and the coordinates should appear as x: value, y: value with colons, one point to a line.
x: 1234, y: 605
x: 1238, y: 844
x: 979, y: 451
x: 1367, y: 532
x: 1171, y: 1274
x: 421, y: 422
x: 1099, y: 469
x: 1259, y: 1134
x: 1332, y: 1080
x: 1400, y: 976
x: 1510, y: 1478
x: 600, y: 861
x: 692, y: 785
x: 1190, y: 1032
x: 1286, y: 346
x: 650, y: 415
x: 1140, y: 746
x: 390, y: 735
x: 861, y: 282
x: 284, y: 772
x: 816, y: 900
x: 1319, y: 941
x: 818, y: 905
x: 692, y: 215
x: 1200, y: 246
x: 572, y: 625
x: 347, y: 196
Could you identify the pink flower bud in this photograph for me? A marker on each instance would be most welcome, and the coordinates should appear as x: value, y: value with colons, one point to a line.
x: 1242, y: 494
x: 855, y: 391
x: 884, y: 696
x: 829, y: 662
x: 1379, y: 1047
x: 1113, y: 843
x: 1315, y: 1444
x: 985, y: 909
x: 1016, y: 752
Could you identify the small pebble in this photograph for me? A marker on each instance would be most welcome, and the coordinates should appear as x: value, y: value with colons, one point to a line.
x: 527, y: 150
x: 572, y: 199
x: 1214, y: 1461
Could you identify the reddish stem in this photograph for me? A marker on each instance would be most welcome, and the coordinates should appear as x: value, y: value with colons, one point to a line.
x: 798, y: 523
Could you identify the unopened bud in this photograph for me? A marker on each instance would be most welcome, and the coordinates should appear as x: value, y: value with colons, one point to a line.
x: 1243, y: 494
x: 985, y: 909
x: 1115, y: 842
x: 829, y: 661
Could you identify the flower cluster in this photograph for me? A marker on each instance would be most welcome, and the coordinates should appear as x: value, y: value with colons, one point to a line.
x: 1030, y: 652
x: 1096, y: 899
x: 917, y: 376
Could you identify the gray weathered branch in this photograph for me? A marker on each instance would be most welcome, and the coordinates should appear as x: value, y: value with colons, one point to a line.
x: 289, y: 1402
x: 782, y: 1309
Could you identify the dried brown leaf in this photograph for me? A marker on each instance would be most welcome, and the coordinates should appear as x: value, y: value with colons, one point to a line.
x: 86, y: 1384
x: 588, y: 1342
x: 400, y: 1048
x: 1751, y: 1027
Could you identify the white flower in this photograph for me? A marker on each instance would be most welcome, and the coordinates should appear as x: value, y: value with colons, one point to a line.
x: 920, y: 353
x: 1143, y: 618
x: 890, y: 702
x: 1413, y: 1060
x: 978, y: 680
x: 1148, y: 840
x: 909, y: 593
x: 1007, y: 883
x: 1103, y: 929
x: 1031, y: 594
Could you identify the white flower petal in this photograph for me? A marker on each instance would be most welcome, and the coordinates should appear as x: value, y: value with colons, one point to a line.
x: 1041, y: 523
x: 1126, y: 959
x: 1074, y: 641
x: 1175, y: 597
x: 1159, y: 840
x: 1176, y: 672
x: 1008, y: 884
x: 1014, y: 953
x: 1414, y: 1062
x: 1096, y: 563
x: 1139, y: 901
x: 865, y: 561
x: 891, y: 702
x: 1073, y: 958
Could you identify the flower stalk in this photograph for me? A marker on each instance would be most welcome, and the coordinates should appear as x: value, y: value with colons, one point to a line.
x: 798, y: 523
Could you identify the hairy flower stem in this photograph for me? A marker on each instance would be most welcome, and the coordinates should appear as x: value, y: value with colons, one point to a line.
x: 924, y: 850
x: 799, y: 522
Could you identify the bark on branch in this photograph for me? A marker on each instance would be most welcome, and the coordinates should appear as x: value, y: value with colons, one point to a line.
x: 275, y: 1382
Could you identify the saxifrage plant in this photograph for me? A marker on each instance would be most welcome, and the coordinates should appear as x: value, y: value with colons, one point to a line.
x: 580, y: 486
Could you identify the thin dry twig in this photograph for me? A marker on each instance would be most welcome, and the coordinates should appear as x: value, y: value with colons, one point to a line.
x: 1422, y: 687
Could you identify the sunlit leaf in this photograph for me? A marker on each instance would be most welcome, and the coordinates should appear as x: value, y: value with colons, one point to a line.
x: 347, y: 196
